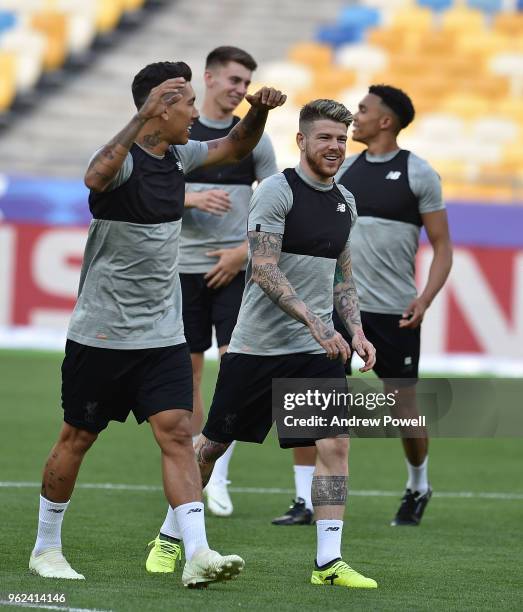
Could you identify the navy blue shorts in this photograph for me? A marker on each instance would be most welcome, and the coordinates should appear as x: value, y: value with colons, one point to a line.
x: 241, y: 408
x: 102, y: 384
x: 397, y: 349
x: 205, y: 308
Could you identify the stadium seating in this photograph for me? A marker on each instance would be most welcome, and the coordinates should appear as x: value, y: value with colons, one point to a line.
x: 39, y: 37
x: 462, y: 64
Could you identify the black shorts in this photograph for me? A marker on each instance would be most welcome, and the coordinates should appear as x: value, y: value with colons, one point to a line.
x: 397, y: 349
x: 241, y: 408
x: 204, y: 308
x: 101, y: 384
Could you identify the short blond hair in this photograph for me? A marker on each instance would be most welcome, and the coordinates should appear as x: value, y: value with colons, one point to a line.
x: 324, y: 108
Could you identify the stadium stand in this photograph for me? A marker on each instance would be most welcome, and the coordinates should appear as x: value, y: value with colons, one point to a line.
x: 87, y: 103
x: 44, y: 35
x: 461, y: 62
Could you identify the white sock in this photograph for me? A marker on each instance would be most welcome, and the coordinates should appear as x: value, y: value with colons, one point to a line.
x: 191, y: 521
x: 303, y: 482
x: 328, y: 533
x: 418, y: 476
x: 170, y: 525
x: 221, y: 467
x: 50, y: 520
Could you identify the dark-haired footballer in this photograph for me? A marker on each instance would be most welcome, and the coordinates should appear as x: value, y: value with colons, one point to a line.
x: 213, y: 256
x: 125, y: 347
x: 299, y: 229
x: 397, y: 193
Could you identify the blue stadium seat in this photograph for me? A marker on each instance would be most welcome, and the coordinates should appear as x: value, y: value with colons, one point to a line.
x: 487, y: 6
x: 436, y: 5
x: 7, y: 20
x: 359, y: 16
x: 352, y: 23
x: 336, y: 35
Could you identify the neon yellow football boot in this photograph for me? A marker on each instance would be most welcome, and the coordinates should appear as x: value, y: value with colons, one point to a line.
x: 163, y: 556
x: 340, y: 574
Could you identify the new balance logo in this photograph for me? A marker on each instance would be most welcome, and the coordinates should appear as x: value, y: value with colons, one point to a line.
x: 332, y: 529
x: 332, y: 577
x: 393, y: 175
x: 179, y: 166
x: 55, y: 510
x: 194, y: 510
x: 340, y: 207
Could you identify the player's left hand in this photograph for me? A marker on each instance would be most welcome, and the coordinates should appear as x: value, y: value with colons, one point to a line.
x: 414, y: 313
x: 266, y: 98
x: 365, y: 350
x: 230, y: 262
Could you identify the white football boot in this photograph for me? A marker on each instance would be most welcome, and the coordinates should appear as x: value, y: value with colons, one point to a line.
x: 52, y: 564
x: 208, y: 566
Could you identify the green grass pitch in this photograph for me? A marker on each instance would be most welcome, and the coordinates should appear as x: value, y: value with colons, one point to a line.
x: 465, y: 556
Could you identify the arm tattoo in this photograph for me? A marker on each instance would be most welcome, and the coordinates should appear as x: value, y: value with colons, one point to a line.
x: 264, y: 244
x: 246, y: 134
x: 106, y: 163
x: 329, y: 490
x: 276, y: 285
x: 345, y: 293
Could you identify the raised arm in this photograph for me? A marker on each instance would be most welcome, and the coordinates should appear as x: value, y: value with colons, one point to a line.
x: 347, y: 305
x: 244, y: 136
x: 265, y: 253
x: 107, y: 162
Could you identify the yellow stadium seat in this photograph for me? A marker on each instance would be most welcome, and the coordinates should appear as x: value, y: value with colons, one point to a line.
x: 28, y: 47
x: 512, y: 155
x: 487, y: 86
x: 466, y: 105
x: 437, y: 43
x: 333, y: 79
x: 454, y: 67
x: 451, y: 169
x: 7, y: 80
x: 482, y: 44
x: 462, y: 19
x: 408, y: 64
x: 312, y: 54
x: 108, y: 14
x: 55, y: 28
x: 385, y: 38
x: 81, y: 19
x: 511, y: 107
x: 413, y: 19
x: 509, y: 23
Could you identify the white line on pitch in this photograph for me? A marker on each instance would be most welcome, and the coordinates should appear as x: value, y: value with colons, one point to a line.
x: 5, y: 602
x: 274, y: 490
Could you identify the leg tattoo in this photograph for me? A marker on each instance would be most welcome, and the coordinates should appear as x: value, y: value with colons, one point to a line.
x: 207, y: 453
x: 329, y: 490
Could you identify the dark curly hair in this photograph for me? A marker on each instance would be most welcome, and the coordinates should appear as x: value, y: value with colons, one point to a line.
x: 153, y: 75
x: 397, y: 100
